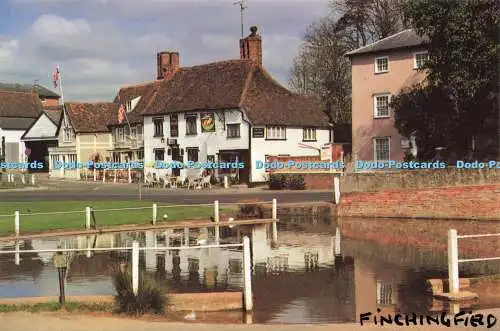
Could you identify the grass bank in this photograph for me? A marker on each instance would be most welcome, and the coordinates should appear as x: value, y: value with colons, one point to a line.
x: 56, y: 306
x: 36, y: 216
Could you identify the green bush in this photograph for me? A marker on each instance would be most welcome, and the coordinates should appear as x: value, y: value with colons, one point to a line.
x: 295, y: 182
x: 277, y: 181
x: 151, y: 298
x: 251, y: 208
x: 286, y: 181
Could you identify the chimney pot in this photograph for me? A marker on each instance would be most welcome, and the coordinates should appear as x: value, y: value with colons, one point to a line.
x: 251, y: 47
x: 167, y: 64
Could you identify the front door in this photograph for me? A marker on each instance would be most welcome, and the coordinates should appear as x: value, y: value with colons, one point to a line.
x: 176, y: 156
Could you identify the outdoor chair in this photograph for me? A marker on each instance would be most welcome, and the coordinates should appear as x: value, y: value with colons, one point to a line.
x: 148, y: 180
x: 167, y: 182
x: 205, y: 182
x: 192, y: 182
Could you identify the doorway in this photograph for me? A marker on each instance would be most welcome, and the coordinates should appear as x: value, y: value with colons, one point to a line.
x: 176, y: 156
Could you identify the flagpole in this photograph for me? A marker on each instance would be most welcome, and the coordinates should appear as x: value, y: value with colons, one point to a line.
x: 60, y: 84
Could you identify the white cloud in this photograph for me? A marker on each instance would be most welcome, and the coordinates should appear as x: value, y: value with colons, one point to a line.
x: 101, y: 45
x: 8, y: 49
x: 53, y: 25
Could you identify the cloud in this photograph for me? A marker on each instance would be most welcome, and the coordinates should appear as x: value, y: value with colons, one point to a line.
x: 103, y: 44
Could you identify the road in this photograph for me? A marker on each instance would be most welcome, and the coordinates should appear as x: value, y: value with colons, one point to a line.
x: 62, y: 190
x: 43, y: 322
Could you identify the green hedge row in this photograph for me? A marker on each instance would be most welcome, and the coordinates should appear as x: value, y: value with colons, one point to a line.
x: 286, y: 181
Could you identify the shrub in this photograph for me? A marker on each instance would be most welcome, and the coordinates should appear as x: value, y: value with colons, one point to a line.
x: 251, y: 208
x: 295, y: 182
x: 150, y: 298
x: 277, y: 181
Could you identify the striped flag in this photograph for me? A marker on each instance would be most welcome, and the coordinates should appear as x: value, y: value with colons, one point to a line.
x: 55, y: 76
x: 121, y: 114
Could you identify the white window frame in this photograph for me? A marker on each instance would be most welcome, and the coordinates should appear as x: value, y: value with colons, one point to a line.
x: 233, y: 128
x: 375, y: 148
x: 309, y: 134
x: 415, y: 65
x: 375, y: 108
x: 276, y: 132
x: 377, y: 71
x: 128, y: 106
x: 67, y: 134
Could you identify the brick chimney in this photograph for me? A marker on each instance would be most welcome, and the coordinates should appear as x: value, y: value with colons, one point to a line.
x: 167, y: 64
x: 251, y: 47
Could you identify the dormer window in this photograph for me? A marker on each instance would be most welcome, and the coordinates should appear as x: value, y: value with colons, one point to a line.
x: 381, y: 64
x: 68, y: 134
x: 128, y: 106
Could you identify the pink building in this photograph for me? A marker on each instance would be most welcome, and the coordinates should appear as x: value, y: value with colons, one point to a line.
x: 379, y: 71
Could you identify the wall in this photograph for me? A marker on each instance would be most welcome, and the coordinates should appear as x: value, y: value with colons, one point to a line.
x: 365, y: 84
x: 209, y: 143
x: 14, y: 136
x: 91, y: 143
x: 261, y: 147
x: 50, y: 102
x: 43, y: 128
x: 471, y: 202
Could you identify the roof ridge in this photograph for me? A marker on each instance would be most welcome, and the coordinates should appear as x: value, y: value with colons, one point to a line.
x: 246, y: 86
x: 14, y: 91
x: 378, y: 41
x: 216, y: 62
x: 156, y: 81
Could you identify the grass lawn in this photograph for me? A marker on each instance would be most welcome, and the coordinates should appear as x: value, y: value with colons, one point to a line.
x: 32, y: 223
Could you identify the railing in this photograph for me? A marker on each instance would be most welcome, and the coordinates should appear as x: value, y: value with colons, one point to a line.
x: 453, y: 260
x: 135, y: 248
x: 25, y: 178
x: 89, y: 212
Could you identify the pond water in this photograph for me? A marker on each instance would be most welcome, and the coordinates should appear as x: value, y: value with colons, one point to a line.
x: 312, y: 276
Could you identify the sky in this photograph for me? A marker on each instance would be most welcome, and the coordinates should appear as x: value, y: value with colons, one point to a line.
x: 101, y: 45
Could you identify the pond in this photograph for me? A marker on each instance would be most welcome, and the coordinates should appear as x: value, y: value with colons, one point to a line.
x: 314, y: 275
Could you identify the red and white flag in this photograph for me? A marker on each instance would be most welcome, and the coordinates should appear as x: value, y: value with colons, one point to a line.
x: 121, y: 114
x: 55, y: 76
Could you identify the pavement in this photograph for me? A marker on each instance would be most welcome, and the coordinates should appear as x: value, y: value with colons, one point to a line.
x: 73, y: 190
x: 72, y: 322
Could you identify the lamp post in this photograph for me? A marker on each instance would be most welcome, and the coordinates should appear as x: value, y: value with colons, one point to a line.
x: 60, y: 264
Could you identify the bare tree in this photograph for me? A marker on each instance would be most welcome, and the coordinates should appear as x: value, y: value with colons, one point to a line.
x: 321, y: 67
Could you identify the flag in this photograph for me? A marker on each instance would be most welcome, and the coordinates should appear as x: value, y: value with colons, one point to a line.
x: 121, y: 114
x: 55, y: 76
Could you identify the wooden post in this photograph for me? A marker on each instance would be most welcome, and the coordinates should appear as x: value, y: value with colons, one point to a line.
x: 114, y: 176
x: 275, y: 209
x: 216, y: 219
x: 16, y: 222
x: 33, y: 180
x: 88, y: 211
x: 129, y: 176
x: 95, y: 175
x: 18, y: 255
x: 186, y: 236
x: 226, y: 182
x: 247, y: 275
x: 89, y: 246
x: 336, y: 188
x: 23, y: 179
x: 453, y: 277
x: 155, y: 213
x: 338, y: 250
x: 135, y: 267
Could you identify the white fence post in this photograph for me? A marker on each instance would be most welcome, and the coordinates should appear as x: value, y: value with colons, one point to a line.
x: 216, y: 219
x: 23, y: 179
x: 87, y: 217
x: 104, y: 176
x: 453, y: 261
x: 33, y: 179
x: 226, y: 182
x: 336, y: 189
x: 95, y: 175
x: 129, y: 176
x: 247, y: 275
x: 114, y: 176
x: 135, y: 267
x: 17, y: 258
x: 16, y: 222
x: 155, y: 213
x: 275, y: 224
x: 338, y: 250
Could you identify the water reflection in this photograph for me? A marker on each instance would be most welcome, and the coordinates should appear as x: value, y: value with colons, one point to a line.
x: 313, y: 275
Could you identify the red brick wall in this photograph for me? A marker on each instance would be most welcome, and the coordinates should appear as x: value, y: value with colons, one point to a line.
x: 462, y: 202
x: 318, y: 181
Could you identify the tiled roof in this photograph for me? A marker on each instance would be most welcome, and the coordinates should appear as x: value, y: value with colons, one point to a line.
x: 403, y: 39
x: 54, y: 113
x: 16, y: 123
x: 91, y: 117
x: 235, y: 84
x: 19, y: 104
x: 128, y: 93
x: 42, y: 90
